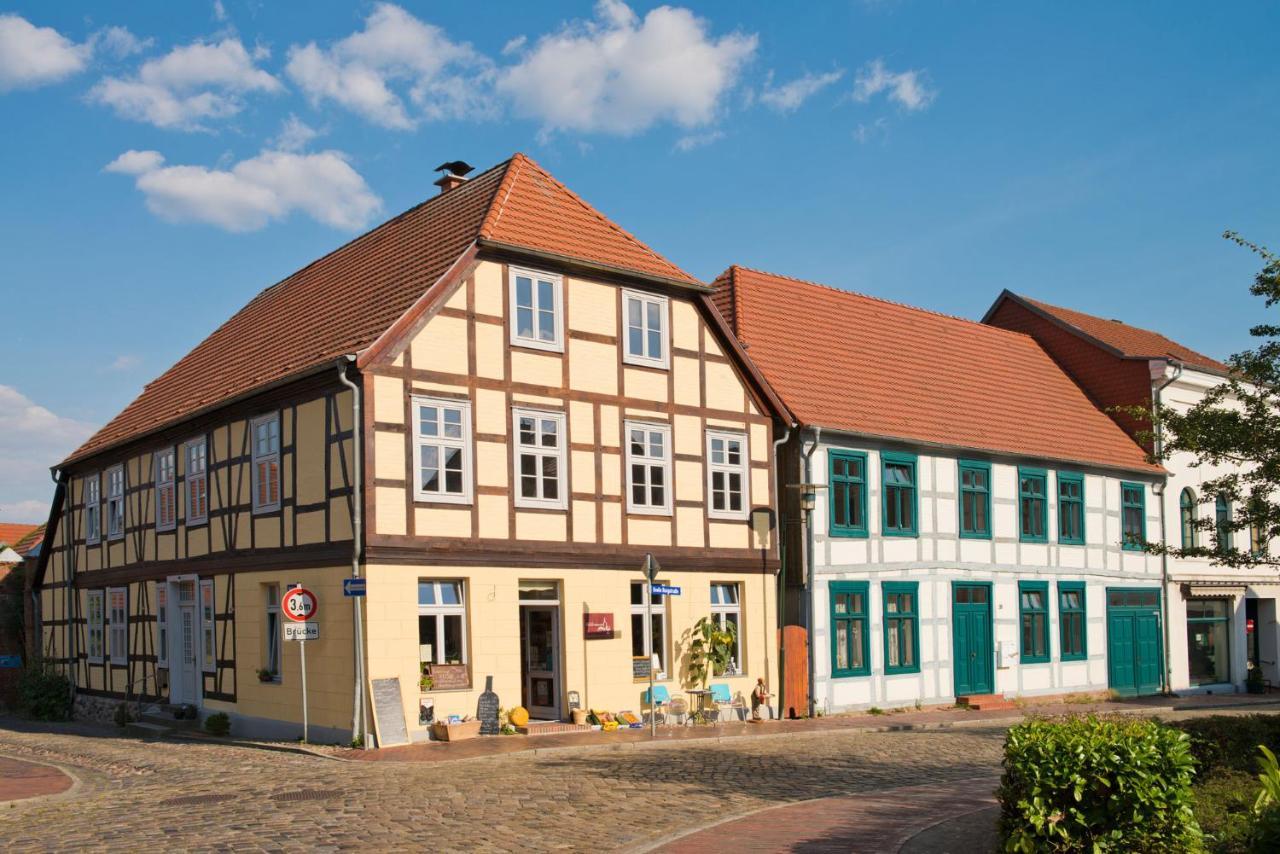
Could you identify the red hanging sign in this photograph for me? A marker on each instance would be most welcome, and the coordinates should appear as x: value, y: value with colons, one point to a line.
x: 596, y: 626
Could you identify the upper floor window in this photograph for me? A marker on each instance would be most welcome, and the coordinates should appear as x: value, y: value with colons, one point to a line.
x: 898, y: 476
x: 442, y: 450
x: 1070, y: 509
x: 648, y: 468
x: 847, y: 478
x: 118, y: 620
x: 537, y: 314
x: 197, y: 481
x: 727, y: 475
x: 115, y: 502
x: 1032, y: 506
x: 1257, y: 536
x: 646, y: 332
x: 166, y: 491
x: 540, y: 455
x: 1222, y: 522
x: 1187, y: 518
x: 266, y: 462
x: 975, y: 500
x: 1133, y: 516
x: 92, y: 510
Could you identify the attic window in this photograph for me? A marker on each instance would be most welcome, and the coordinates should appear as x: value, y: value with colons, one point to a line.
x: 536, y: 310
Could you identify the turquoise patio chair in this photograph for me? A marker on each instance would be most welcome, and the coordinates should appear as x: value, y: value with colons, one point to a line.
x: 658, y: 703
x: 722, y: 700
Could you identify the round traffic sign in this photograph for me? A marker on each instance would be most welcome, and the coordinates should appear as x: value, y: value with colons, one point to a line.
x: 299, y: 604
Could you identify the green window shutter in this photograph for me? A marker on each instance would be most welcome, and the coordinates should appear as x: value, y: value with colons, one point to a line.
x: 850, y: 635
x: 901, y: 626
x: 1033, y: 505
x: 1073, y: 621
x: 1133, y: 516
x: 847, y: 479
x: 1070, y: 509
x: 975, y: 500
x: 1033, y: 618
x: 898, y: 497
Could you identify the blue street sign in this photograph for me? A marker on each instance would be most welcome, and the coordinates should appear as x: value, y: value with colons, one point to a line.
x: 665, y: 590
x: 353, y: 586
x: 10, y: 661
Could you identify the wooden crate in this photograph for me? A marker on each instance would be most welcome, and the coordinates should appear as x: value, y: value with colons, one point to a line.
x: 455, y: 732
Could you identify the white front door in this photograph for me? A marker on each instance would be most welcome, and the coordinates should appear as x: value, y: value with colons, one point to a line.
x: 542, y: 661
x: 185, y: 668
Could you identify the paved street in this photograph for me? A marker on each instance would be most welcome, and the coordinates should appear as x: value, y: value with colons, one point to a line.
x: 148, y: 796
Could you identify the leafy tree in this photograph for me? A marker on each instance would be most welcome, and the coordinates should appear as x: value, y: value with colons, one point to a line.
x: 1237, y: 423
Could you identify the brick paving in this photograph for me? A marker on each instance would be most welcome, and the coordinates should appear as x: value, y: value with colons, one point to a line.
x: 20, y: 780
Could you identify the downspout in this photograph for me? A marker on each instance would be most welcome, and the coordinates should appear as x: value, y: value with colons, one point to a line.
x: 359, y: 720
x: 69, y: 637
x: 807, y: 564
x: 780, y: 577
x: 1160, y: 489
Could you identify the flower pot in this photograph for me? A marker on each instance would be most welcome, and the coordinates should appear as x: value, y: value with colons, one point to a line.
x: 579, y: 717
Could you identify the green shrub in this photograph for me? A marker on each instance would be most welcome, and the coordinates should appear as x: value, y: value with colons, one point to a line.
x: 44, y: 693
x: 1224, y: 810
x: 217, y: 724
x: 1230, y: 741
x: 1267, y: 807
x: 1097, y: 784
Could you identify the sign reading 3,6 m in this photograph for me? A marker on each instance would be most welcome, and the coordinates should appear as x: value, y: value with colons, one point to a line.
x: 299, y: 604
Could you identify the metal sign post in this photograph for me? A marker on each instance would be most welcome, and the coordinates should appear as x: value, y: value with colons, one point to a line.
x: 300, y: 605
x: 651, y: 569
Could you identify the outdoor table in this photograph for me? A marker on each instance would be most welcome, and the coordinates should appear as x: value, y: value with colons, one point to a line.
x: 699, y: 698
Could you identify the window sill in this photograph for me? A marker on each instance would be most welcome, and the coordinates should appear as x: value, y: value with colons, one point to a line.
x: 850, y: 674
x: 847, y: 534
x: 986, y: 537
x: 459, y: 501
x: 716, y: 516
x: 544, y: 346
x: 651, y: 364
x: 901, y: 671
x: 644, y: 511
x: 1067, y: 659
x: 1071, y: 542
x: 902, y: 534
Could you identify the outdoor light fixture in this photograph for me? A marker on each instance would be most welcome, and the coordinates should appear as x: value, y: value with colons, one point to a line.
x: 808, y: 494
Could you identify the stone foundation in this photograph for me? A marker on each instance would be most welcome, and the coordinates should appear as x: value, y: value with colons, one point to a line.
x: 97, y: 709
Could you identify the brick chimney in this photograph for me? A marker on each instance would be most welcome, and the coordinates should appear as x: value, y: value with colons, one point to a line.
x: 454, y: 175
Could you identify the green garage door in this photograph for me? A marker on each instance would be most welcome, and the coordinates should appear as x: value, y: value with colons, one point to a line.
x: 1134, y: 662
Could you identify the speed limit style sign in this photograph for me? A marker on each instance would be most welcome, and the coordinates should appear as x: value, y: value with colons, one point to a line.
x: 299, y: 604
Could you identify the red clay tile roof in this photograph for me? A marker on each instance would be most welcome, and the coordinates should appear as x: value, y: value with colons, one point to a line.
x: 855, y: 363
x: 341, y: 303
x: 33, y: 538
x: 12, y: 533
x: 1128, y: 341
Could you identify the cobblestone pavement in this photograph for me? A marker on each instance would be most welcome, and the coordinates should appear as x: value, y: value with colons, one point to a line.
x: 175, y: 796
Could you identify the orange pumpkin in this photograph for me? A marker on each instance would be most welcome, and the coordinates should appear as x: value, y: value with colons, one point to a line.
x: 519, y: 716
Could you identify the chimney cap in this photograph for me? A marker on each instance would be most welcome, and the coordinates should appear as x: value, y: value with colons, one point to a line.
x: 455, y: 167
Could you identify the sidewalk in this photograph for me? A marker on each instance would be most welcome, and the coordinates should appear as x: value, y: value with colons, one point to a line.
x: 935, y: 718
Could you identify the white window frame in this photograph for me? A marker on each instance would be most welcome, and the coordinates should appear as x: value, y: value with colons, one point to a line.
x: 165, y: 463
x: 742, y: 468
x: 118, y: 624
x: 162, y: 624
x: 275, y: 639
x: 663, y: 360
x: 659, y: 609
x: 441, y: 442
x: 194, y: 476
x: 557, y: 301
x: 269, y: 457
x: 93, y: 509
x: 664, y: 463
x: 442, y: 611
x: 539, y: 452
x: 116, y: 523
x: 719, y: 611
x: 208, y: 627
x: 96, y: 608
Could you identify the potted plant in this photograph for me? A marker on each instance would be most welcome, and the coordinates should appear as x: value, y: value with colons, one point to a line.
x: 265, y: 675
x: 426, y: 683
x: 1254, y: 683
x: 711, y: 647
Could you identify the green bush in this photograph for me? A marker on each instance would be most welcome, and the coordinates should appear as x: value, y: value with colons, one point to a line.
x: 1224, y: 810
x: 1230, y: 741
x: 1267, y: 807
x: 44, y: 693
x: 1097, y: 784
x: 217, y: 724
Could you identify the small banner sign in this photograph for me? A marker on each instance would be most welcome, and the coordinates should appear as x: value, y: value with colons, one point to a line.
x: 597, y: 625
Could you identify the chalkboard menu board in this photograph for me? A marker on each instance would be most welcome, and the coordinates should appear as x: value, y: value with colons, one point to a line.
x: 487, y: 709
x: 449, y: 677
x: 640, y: 667
x: 388, y: 712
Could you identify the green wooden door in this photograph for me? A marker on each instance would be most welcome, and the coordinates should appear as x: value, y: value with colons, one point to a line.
x: 1134, y: 659
x: 971, y: 636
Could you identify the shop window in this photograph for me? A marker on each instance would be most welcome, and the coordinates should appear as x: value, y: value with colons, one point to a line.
x: 442, y: 613
x: 726, y: 608
x: 1208, y: 641
x: 649, y: 638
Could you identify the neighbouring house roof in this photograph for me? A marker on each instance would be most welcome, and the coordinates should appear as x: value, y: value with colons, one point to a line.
x: 12, y: 533
x: 855, y: 363
x: 1128, y: 342
x: 343, y: 302
x: 8, y: 555
x: 30, y: 543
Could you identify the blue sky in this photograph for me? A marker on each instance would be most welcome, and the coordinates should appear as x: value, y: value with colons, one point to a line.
x: 163, y: 162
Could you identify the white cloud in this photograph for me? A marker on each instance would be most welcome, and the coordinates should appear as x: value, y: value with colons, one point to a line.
x: 366, y: 71
x: 909, y: 89
x: 621, y: 74
x: 698, y: 140
x: 124, y: 362
x: 254, y: 192
x: 32, y: 438
x: 119, y: 42
x: 788, y: 97
x: 187, y: 86
x: 879, y: 129
x: 295, y: 134
x: 219, y: 11
x: 33, y: 56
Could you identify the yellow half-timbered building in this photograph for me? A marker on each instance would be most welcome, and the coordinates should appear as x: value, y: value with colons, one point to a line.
x: 491, y: 407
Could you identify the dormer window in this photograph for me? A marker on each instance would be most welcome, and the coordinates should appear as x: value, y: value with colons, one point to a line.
x: 537, y: 313
x: 645, y: 317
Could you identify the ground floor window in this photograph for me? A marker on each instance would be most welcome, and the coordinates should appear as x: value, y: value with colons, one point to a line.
x: 271, y: 656
x: 901, y: 627
x: 1208, y: 641
x: 726, y: 607
x: 849, y: 653
x: 648, y: 639
x: 1071, y: 621
x: 1034, y: 615
x: 441, y: 614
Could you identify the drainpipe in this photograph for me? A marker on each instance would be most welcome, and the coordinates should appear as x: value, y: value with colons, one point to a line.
x: 1159, y: 490
x: 359, y: 720
x: 807, y: 562
x: 69, y: 596
x: 780, y: 577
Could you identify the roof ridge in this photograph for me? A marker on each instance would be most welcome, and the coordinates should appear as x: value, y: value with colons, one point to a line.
x: 585, y: 206
x: 885, y: 300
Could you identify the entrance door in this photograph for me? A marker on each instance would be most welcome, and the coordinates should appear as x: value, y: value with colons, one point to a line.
x: 184, y: 667
x: 541, y: 660
x: 971, y: 632
x: 1134, y: 660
